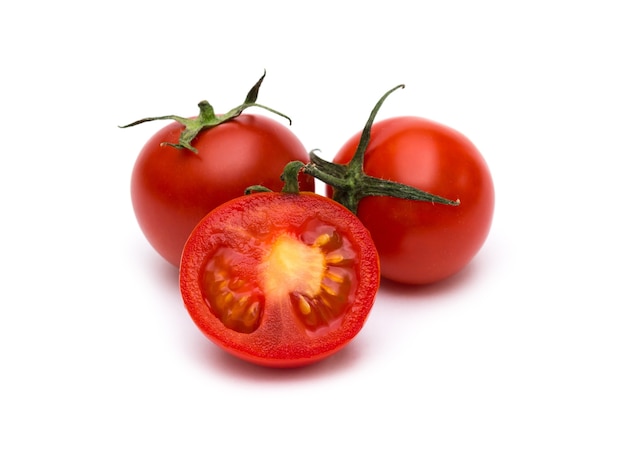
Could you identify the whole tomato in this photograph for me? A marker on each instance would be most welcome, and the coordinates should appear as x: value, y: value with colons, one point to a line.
x: 192, y: 165
x: 423, y: 242
x: 421, y: 188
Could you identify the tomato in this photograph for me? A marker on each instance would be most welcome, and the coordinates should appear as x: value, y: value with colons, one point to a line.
x: 280, y: 279
x: 424, y: 242
x: 172, y: 189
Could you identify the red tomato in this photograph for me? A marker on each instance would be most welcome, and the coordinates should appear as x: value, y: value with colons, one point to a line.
x: 280, y: 280
x: 172, y: 189
x: 421, y: 242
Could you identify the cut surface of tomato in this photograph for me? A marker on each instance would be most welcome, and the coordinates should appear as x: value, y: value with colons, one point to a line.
x: 280, y: 279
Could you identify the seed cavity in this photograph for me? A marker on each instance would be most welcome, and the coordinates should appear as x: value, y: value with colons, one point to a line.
x: 231, y: 298
x: 322, y: 240
x: 334, y: 277
x: 334, y: 259
x: 324, y: 307
x: 304, y: 306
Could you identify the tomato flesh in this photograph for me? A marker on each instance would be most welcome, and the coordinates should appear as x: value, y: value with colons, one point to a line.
x: 278, y: 279
x: 421, y: 242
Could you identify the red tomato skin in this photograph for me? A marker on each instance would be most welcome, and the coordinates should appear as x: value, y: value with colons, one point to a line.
x: 419, y: 242
x: 173, y: 189
x: 275, y: 344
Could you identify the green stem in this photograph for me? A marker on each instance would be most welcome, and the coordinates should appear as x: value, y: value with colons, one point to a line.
x: 207, y: 118
x: 351, y: 184
x: 356, y: 164
x: 290, y: 177
x: 256, y: 189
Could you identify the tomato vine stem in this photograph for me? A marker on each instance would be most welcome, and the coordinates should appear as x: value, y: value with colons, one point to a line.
x: 289, y: 177
x: 350, y: 183
x: 207, y: 118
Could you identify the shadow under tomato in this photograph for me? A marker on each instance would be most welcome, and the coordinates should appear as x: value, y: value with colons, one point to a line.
x: 167, y: 273
x: 438, y: 289
x: 159, y: 269
x: 234, y: 367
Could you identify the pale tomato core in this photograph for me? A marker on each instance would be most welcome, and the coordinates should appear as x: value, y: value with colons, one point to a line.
x: 292, y: 266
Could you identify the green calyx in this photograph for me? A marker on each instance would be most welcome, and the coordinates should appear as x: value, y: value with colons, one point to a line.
x: 289, y: 177
x: 207, y: 118
x: 351, y: 184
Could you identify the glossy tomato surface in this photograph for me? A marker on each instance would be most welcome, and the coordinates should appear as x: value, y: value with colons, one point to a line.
x: 280, y: 280
x: 420, y: 242
x: 172, y: 189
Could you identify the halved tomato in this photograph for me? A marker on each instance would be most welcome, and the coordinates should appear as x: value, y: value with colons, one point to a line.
x: 280, y: 279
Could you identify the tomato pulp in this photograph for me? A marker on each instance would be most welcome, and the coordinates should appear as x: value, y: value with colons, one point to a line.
x: 422, y: 242
x: 280, y: 280
x: 173, y: 189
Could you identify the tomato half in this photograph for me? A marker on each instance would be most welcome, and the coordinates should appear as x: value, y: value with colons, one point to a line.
x: 172, y: 189
x: 280, y: 280
x: 421, y: 242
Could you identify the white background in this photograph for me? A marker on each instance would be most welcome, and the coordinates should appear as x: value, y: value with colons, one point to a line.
x: 523, y: 351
